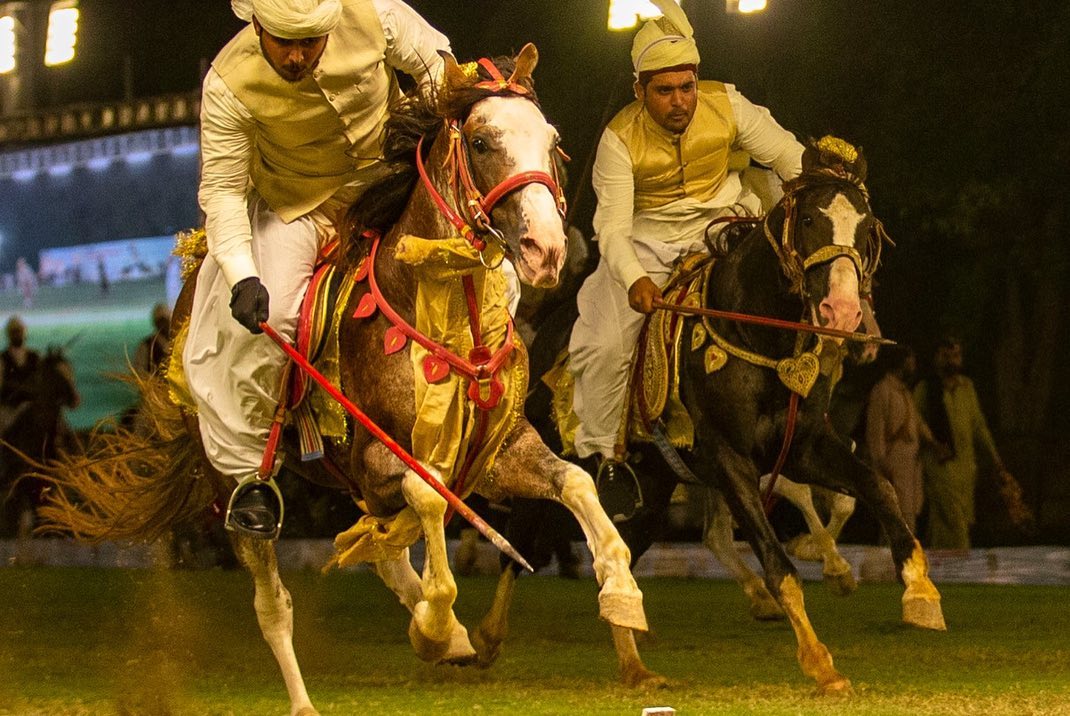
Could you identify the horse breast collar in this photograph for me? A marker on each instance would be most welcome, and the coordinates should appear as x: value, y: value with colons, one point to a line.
x: 483, y: 364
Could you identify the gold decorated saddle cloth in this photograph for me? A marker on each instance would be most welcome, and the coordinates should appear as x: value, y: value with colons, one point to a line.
x: 311, y: 410
x: 654, y: 383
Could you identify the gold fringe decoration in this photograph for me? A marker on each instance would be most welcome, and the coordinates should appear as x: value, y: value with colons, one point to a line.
x: 190, y: 246
x: 131, y: 485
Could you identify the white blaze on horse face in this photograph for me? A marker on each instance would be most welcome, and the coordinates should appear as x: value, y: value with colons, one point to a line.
x: 527, y: 141
x: 841, y: 308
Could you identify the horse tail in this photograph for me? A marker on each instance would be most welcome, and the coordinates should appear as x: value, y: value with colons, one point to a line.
x: 131, y: 484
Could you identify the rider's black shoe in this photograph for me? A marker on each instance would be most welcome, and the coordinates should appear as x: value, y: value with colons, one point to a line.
x: 255, y: 510
x: 618, y: 490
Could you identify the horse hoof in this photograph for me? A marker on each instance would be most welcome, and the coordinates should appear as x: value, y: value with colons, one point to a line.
x: 426, y: 649
x: 643, y: 678
x: 460, y: 651
x: 924, y: 613
x: 839, y: 686
x: 842, y: 584
x: 487, y: 648
x: 307, y: 711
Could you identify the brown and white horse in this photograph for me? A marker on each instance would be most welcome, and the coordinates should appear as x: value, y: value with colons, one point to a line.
x: 489, y: 176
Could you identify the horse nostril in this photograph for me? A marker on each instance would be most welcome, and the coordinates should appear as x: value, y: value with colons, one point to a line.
x: 529, y: 246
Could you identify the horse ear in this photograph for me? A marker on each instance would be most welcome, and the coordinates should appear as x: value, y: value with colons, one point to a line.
x: 525, y: 64
x: 452, y: 76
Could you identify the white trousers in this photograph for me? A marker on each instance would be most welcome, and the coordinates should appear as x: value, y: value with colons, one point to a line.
x: 605, y: 334
x: 232, y: 374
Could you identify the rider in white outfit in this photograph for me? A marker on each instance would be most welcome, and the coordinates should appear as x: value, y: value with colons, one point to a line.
x: 291, y: 120
x: 660, y: 175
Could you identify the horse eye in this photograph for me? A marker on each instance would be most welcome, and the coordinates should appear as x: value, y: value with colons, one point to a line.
x: 808, y: 221
x: 480, y: 145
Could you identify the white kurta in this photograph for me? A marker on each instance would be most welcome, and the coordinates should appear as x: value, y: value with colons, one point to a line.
x: 646, y: 243
x: 233, y: 375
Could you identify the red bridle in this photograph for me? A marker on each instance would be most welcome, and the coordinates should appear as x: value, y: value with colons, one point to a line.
x: 475, y: 223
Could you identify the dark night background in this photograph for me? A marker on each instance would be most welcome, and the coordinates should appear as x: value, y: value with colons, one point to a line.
x: 960, y: 107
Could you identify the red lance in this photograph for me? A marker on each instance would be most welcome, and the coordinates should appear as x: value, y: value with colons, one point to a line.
x: 455, y: 502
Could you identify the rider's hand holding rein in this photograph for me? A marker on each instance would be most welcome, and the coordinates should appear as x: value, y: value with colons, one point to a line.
x: 642, y: 294
x: 249, y: 303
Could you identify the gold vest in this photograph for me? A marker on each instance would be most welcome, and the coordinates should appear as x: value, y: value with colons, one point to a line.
x: 667, y: 166
x: 314, y: 135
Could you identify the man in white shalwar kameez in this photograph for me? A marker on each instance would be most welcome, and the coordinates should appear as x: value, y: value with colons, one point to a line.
x: 291, y: 120
x: 660, y: 175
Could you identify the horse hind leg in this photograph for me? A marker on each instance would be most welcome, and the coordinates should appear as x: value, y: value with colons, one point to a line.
x: 819, y: 545
x: 530, y: 469
x: 433, y: 624
x: 717, y: 537
x: 399, y: 576
x: 492, y: 630
x: 274, y: 612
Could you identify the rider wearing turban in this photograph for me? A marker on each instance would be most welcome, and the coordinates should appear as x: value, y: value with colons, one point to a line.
x: 291, y: 19
x: 661, y: 174
x: 291, y: 126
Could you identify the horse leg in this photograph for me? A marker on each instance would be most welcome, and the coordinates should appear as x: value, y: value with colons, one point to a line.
x: 718, y: 539
x: 529, y: 469
x: 433, y: 624
x: 527, y: 520
x: 819, y: 545
x: 841, y: 507
x: 781, y: 578
x: 274, y: 612
x: 491, y: 632
x: 401, y: 578
x: 841, y: 470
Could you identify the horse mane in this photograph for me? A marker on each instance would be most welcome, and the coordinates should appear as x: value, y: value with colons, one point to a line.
x: 415, y: 116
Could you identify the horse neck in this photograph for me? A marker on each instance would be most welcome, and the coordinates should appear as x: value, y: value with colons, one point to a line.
x: 748, y: 280
x: 421, y: 217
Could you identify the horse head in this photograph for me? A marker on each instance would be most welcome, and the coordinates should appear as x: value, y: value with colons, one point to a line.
x: 507, y: 160
x: 828, y: 241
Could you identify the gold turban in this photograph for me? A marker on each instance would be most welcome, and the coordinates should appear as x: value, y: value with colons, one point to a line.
x: 666, y: 41
x: 291, y: 19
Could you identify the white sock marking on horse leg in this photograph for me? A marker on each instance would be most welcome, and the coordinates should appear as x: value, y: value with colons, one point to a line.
x: 274, y: 613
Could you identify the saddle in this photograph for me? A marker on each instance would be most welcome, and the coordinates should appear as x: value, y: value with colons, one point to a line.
x: 314, y: 413
x: 654, y: 383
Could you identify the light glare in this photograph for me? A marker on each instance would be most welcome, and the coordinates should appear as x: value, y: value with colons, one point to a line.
x: 62, y: 34
x: 746, y: 6
x: 624, y: 14
x: 7, y: 44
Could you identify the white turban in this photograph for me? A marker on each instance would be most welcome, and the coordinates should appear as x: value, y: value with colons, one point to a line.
x: 291, y: 19
x: 666, y: 41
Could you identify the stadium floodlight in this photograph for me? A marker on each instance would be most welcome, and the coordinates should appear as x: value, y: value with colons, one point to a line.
x: 625, y: 14
x: 7, y: 44
x: 62, y: 35
x: 744, y: 7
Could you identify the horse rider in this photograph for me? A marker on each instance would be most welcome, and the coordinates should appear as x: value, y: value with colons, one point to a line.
x: 661, y: 176
x: 291, y: 117
x: 18, y: 373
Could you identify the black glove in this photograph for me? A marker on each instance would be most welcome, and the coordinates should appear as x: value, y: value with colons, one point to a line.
x: 249, y: 303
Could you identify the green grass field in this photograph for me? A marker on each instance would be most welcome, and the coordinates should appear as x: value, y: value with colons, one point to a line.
x: 79, y: 641
x: 101, y: 333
